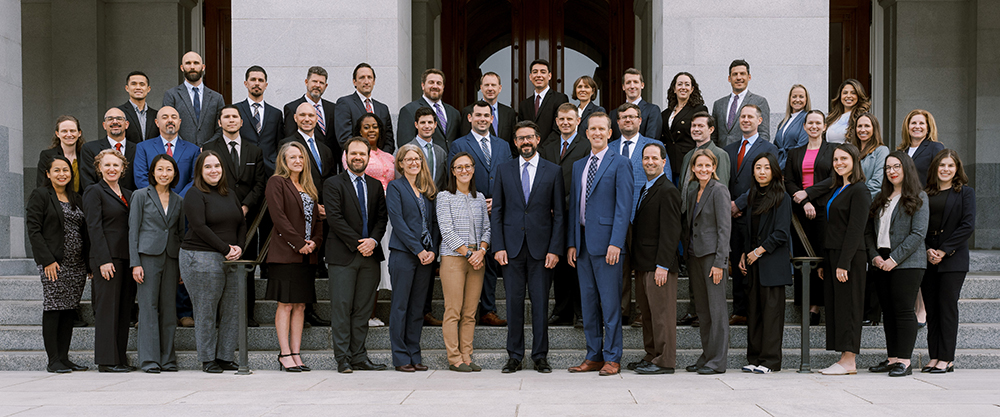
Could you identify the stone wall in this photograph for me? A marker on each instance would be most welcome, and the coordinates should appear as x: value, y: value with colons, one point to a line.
x: 12, y: 241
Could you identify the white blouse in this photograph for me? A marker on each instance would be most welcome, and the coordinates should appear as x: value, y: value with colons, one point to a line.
x: 885, y: 222
x: 837, y: 132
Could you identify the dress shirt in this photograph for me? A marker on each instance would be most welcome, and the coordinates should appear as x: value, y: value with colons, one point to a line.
x: 173, y: 144
x: 885, y: 223
x: 532, y: 169
x: 739, y: 103
x: 140, y: 115
x: 364, y: 184
x: 123, y: 142
x: 542, y: 95
x: 750, y: 141
x: 631, y: 146
x: 636, y: 102
x: 239, y: 143
x: 190, y: 90
x: 479, y: 143
x: 363, y: 98
x: 583, y: 182
x: 250, y: 102
x: 567, y: 142
x: 322, y: 111
x: 434, y: 103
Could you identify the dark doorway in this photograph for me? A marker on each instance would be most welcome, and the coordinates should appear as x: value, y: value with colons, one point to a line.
x: 217, y: 16
x: 850, y: 43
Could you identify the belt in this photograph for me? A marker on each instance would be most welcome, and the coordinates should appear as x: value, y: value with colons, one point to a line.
x: 934, y: 232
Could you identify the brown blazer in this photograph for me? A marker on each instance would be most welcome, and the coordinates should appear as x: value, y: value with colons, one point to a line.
x: 288, y: 236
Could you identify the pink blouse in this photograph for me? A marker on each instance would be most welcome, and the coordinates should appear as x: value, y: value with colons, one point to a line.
x: 381, y: 166
x: 808, y: 166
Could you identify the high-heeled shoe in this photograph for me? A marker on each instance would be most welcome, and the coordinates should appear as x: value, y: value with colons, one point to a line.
x: 950, y: 368
x: 303, y: 367
x: 281, y: 366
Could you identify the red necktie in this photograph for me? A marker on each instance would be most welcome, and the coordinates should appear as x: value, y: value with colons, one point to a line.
x: 170, y: 150
x: 368, y: 105
x: 538, y: 102
x: 739, y: 158
x: 562, y: 154
x: 118, y: 147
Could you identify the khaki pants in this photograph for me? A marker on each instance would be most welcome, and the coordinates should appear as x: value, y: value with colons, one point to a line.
x: 462, y: 287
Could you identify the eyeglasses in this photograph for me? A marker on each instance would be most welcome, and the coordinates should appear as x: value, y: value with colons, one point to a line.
x: 462, y: 168
x: 411, y: 160
x: 628, y: 117
x: 526, y: 137
x: 114, y: 119
x: 890, y: 168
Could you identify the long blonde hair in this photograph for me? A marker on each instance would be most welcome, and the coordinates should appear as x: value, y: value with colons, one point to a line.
x: 932, y: 133
x: 305, y: 178
x: 788, y: 105
x: 424, y: 181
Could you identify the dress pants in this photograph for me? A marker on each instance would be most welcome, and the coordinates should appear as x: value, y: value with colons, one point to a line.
x: 462, y: 287
x: 352, y: 298
x: 566, y: 287
x: 710, y: 299
x: 941, y: 291
x: 112, y: 302
x: 214, y: 299
x: 410, y: 280
x: 600, y: 299
x: 897, y: 293
x: 627, y: 274
x: 739, y: 280
x: 844, y: 304
x: 658, y: 306
x: 488, y: 300
x: 765, y: 322
x: 57, y: 334
x: 524, y: 273
x: 157, y: 311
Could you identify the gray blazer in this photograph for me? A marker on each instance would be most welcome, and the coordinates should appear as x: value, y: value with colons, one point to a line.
x: 873, y: 168
x: 440, y: 170
x: 906, y: 236
x: 708, y: 224
x: 150, y: 230
x: 720, y: 111
x: 196, y: 130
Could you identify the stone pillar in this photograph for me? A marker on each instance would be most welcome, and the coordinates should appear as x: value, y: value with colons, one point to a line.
x: 12, y: 235
x: 983, y: 152
x: 426, y: 43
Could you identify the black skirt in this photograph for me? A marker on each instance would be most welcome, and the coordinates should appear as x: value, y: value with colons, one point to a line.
x: 291, y: 283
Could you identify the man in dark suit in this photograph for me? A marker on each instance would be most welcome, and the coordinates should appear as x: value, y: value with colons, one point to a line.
x: 141, y: 117
x: 196, y: 104
x: 569, y: 148
x: 599, y: 214
x: 741, y: 153
x: 541, y: 106
x: 726, y: 110
x: 528, y: 196
x: 652, y: 121
x: 325, y: 110
x: 654, y: 258
x: 504, y: 117
x: 357, y: 219
x: 432, y: 84
x: 351, y: 107
x: 263, y: 125
x: 115, y: 126
x: 437, y: 157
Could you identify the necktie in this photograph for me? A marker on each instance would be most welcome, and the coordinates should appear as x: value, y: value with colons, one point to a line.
x: 525, y: 182
x: 256, y: 117
x: 430, y: 160
x: 360, y: 185
x: 496, y: 120
x: 732, y: 113
x: 739, y: 158
x: 562, y: 154
x: 315, y: 152
x: 322, y: 120
x: 235, y: 155
x: 170, y: 149
x: 538, y: 102
x: 197, y: 106
x: 625, y: 148
x: 591, y: 173
x: 141, y: 115
x: 368, y: 105
x: 441, y: 118
x: 642, y: 195
x: 118, y: 147
x: 485, y: 143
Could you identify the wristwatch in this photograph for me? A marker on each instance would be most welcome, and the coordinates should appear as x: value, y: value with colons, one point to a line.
x: 468, y: 254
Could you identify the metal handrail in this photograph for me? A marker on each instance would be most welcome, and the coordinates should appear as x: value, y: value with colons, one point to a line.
x: 806, y: 265
x: 249, y: 265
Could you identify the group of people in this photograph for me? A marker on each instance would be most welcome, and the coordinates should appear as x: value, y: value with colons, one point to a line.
x: 545, y: 195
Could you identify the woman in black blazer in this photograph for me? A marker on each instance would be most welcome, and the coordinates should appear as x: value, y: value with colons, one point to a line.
x: 844, y: 290
x: 920, y: 141
x: 58, y: 235
x: 766, y: 266
x: 683, y: 101
x: 585, y: 90
x: 952, y: 220
x: 67, y: 140
x: 106, y: 207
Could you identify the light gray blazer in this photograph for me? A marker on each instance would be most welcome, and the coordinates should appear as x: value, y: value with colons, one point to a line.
x: 873, y: 167
x: 196, y: 130
x: 906, y: 235
x: 150, y: 230
x: 708, y: 224
x: 720, y: 111
x: 440, y: 170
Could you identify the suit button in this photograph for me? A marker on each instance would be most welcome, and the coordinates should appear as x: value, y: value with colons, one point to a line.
x: 522, y: 228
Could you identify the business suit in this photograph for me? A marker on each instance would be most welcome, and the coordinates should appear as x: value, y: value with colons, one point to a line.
x: 271, y: 131
x: 327, y: 137
x: 506, y: 119
x: 823, y: 177
x: 676, y: 136
x: 350, y: 108
x: 440, y: 169
x: 766, y: 279
x: 88, y: 174
x: 707, y: 229
x: 722, y: 169
x: 635, y: 163
x: 154, y: 239
x: 353, y: 277
x: 922, y: 158
x: 652, y: 123
x: 581, y: 130
x: 42, y: 213
x: 547, y: 112
x: 329, y: 164
x: 134, y: 132
x: 791, y: 137
x: 724, y: 135
x: 845, y: 249
x: 542, y: 213
x: 185, y: 153
x: 203, y: 128
x: 654, y: 245
x: 46, y: 156
x: 107, y: 224
x: 607, y: 217
x: 443, y: 137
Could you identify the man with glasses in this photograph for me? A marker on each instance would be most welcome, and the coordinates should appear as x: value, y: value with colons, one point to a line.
x: 115, y: 125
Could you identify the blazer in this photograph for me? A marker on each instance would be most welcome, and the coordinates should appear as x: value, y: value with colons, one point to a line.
x: 542, y: 213
x: 284, y: 205
x: 956, y: 227
x: 107, y: 223
x: 201, y: 129
x: 440, y: 168
x: 609, y: 207
x: 635, y: 162
x: 584, y: 122
x: 134, y: 132
x: 741, y: 176
x: 654, y: 243
x: 185, y: 153
x: 578, y: 148
x: 151, y: 231
x: 271, y: 131
x: 507, y: 120
x: 442, y: 137
x: 906, y: 235
x: 845, y: 225
x: 343, y: 214
x: 407, y: 224
x: 773, y: 234
x: 547, y: 111
x: 720, y: 111
x: 485, y: 173
x: 922, y: 158
x: 708, y: 223
x: 46, y: 155
x: 330, y: 165
x: 823, y: 174
x: 350, y: 108
x: 248, y: 182
x: 46, y: 226
x: 677, y: 136
x: 88, y: 174
x: 722, y: 170
x: 792, y: 138
x: 652, y: 122
x: 873, y: 167
x: 329, y: 117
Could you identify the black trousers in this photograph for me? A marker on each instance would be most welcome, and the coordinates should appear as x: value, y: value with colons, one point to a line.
x: 566, y: 286
x: 844, y: 303
x: 526, y: 274
x: 814, y: 232
x: 57, y: 333
x: 112, y: 300
x: 941, y: 291
x: 765, y: 322
x: 739, y: 280
x: 897, y: 293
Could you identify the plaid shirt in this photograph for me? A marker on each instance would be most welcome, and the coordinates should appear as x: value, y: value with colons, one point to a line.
x: 463, y: 220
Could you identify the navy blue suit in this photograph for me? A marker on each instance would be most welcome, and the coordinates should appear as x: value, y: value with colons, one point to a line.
x: 511, y: 220
x: 272, y: 130
x: 185, y: 153
x: 792, y: 138
x: 922, y: 158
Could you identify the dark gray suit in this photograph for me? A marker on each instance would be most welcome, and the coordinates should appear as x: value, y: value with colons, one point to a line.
x: 350, y: 108
x: 196, y: 130
x: 723, y: 135
x: 442, y: 137
x: 506, y: 119
x: 134, y: 132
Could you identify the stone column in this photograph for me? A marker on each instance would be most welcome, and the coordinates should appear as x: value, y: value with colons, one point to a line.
x: 983, y: 151
x: 12, y: 235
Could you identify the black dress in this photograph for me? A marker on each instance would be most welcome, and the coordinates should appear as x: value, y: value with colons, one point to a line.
x: 64, y: 293
x: 294, y: 283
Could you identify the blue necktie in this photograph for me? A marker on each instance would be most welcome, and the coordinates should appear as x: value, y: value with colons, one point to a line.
x: 525, y: 183
x: 625, y: 148
x: 197, y: 106
x: 496, y: 120
x: 486, y: 151
x: 315, y: 152
x: 359, y: 183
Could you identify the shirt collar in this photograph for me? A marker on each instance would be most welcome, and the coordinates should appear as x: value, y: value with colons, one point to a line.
x: 741, y: 95
x: 363, y: 98
x: 632, y: 139
x: 238, y: 140
x: 752, y: 139
x: 480, y: 138
x: 171, y: 142
x: 313, y: 103
x: 649, y: 184
x: 250, y: 102
x: 113, y: 142
x: 422, y: 142
x: 306, y: 136
x: 354, y: 177
x: 571, y: 138
x: 533, y: 161
x: 190, y: 86
x: 432, y: 102
x: 600, y: 155
x: 137, y: 109
x: 543, y: 93
x: 636, y: 102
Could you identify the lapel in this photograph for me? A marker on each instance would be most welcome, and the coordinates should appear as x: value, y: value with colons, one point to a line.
x: 709, y: 189
x: 182, y: 93
x: 950, y: 204
x: 924, y: 144
x: 107, y: 189
x: 651, y: 192
x: 577, y: 142
x: 244, y: 107
x: 152, y: 195
x: 477, y: 149
x: 54, y: 201
x: 603, y: 166
x: 636, y: 155
x: 748, y: 154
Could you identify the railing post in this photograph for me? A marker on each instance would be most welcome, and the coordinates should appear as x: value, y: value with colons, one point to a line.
x: 806, y: 265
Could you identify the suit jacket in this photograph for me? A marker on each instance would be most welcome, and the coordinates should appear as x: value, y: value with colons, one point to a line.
x: 442, y: 137
x: 608, y: 209
x: 507, y: 118
x: 249, y: 181
x: 485, y: 173
x: 271, y: 131
x: 957, y: 224
x: 741, y: 176
x: 906, y: 235
x: 329, y: 115
x: 547, y: 112
x: 46, y: 226
x: 654, y: 243
x: 652, y: 123
x: 284, y: 205
x: 107, y: 223
x: 708, y: 223
x: 542, y: 214
x: 407, y: 223
x: 722, y: 170
x: 792, y: 138
x: 88, y: 174
x: 343, y: 215
x: 823, y: 174
x: 185, y: 153
x: 578, y: 148
x: 584, y: 123
x: 773, y: 234
x: 350, y: 108
x: 723, y: 135
x: 197, y: 130
x: 330, y: 165
x: 134, y: 132
x: 677, y: 136
x: 846, y: 220
x: 45, y: 157
x: 635, y: 161
x: 923, y: 156
x: 151, y: 231
x: 440, y: 168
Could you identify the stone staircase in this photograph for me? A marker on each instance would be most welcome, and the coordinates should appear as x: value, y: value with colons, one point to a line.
x: 21, y: 339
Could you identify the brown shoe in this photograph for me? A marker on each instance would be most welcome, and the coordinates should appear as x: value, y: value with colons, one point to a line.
x: 587, y: 366
x: 419, y: 367
x: 429, y: 320
x: 406, y: 368
x: 610, y: 368
x: 186, y: 322
x: 735, y: 320
x: 637, y: 321
x: 491, y: 319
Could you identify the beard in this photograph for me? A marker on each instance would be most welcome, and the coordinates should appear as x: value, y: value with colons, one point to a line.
x: 527, y: 152
x: 193, y: 76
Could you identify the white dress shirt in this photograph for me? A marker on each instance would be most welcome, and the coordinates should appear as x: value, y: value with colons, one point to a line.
x: 532, y: 168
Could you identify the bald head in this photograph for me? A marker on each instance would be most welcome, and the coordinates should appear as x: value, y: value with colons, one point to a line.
x: 168, y: 121
x: 305, y: 117
x: 115, y: 124
x: 193, y: 67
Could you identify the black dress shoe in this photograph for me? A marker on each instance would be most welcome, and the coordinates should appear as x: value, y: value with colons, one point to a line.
x: 114, y: 368
x: 578, y: 323
x: 633, y: 365
x: 926, y: 369
x: 211, y: 367
x: 75, y: 367
x: 227, y: 365
x: 687, y: 320
x: 58, y: 369
x: 542, y: 366
x: 252, y: 323
x: 406, y: 368
x: 513, y: 365
x: 132, y: 368
x: 935, y: 370
x: 344, y: 368
x: 368, y: 365
x: 153, y: 370
x: 704, y: 370
x: 883, y: 366
x: 420, y: 367
x: 653, y: 369
x: 315, y: 320
x: 813, y: 319
x: 898, y: 369
x: 692, y: 368
x: 168, y: 368
x: 556, y: 320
